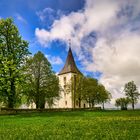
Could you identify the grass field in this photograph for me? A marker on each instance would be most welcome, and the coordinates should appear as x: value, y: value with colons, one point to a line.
x: 77, y: 125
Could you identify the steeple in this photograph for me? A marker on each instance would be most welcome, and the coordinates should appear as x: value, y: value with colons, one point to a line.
x: 70, y: 66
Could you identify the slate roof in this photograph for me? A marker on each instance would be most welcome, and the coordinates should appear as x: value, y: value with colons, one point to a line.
x: 70, y: 66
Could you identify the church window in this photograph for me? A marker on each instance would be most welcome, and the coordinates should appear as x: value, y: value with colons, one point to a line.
x: 64, y: 88
x: 65, y: 102
x: 84, y: 106
x: 76, y: 102
x: 64, y: 80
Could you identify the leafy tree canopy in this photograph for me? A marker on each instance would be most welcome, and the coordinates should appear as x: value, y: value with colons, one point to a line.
x: 42, y: 83
x: 123, y: 103
x: 132, y: 92
x: 13, y: 52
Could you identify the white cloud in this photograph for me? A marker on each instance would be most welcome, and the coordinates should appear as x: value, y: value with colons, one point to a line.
x: 79, y: 24
x: 54, y: 60
x: 118, y: 61
x: 44, y: 13
x: 20, y: 18
x: 115, y: 51
x: 48, y: 15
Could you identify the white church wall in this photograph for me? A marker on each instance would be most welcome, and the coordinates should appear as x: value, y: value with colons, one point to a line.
x: 65, y: 100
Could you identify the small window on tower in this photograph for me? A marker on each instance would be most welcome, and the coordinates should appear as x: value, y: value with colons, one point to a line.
x: 77, y: 103
x: 66, y: 103
x: 84, y: 106
x: 64, y: 80
x: 65, y: 87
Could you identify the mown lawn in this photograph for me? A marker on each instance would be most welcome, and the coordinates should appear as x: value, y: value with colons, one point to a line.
x: 77, y: 125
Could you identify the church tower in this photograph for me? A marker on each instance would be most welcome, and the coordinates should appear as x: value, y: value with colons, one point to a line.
x: 68, y: 73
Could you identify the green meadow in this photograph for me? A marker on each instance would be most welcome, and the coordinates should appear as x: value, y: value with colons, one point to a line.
x: 76, y: 125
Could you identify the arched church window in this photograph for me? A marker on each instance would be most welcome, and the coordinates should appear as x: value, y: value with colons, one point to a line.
x: 65, y: 80
x: 84, y: 105
x: 66, y: 103
x: 77, y: 102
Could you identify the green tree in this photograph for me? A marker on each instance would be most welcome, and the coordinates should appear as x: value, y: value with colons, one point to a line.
x: 13, y: 52
x: 75, y: 87
x: 131, y: 91
x: 103, y: 95
x: 89, y: 90
x: 123, y: 103
x: 82, y: 88
x: 79, y: 89
x: 42, y: 83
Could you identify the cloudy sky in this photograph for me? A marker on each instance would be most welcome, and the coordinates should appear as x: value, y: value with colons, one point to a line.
x: 105, y: 35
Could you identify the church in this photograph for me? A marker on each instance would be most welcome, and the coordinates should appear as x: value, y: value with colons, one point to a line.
x: 68, y: 74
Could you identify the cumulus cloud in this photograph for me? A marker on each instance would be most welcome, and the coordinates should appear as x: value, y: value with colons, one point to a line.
x: 105, y: 35
x: 118, y: 63
x: 49, y: 14
x: 54, y: 60
x: 77, y: 25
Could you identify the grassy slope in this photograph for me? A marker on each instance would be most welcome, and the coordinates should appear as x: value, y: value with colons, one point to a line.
x: 109, y: 125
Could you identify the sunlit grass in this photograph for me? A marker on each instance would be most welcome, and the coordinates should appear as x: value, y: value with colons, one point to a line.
x: 108, y: 125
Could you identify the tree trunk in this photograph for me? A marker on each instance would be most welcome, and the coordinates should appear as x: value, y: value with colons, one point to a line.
x: 74, y: 89
x: 38, y: 88
x: 89, y: 105
x: 10, y: 102
x: 37, y: 103
x: 42, y: 103
x: 133, y: 106
x: 92, y: 104
x: 79, y: 103
x: 11, y: 97
x: 74, y: 101
x: 103, y: 106
x: 42, y: 106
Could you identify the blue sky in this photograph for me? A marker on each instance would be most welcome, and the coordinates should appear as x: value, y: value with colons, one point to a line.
x: 105, y: 35
x: 26, y: 16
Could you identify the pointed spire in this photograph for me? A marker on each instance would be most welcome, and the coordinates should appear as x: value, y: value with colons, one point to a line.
x: 70, y: 65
